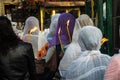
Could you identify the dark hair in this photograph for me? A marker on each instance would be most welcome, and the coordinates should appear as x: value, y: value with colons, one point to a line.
x: 8, y: 39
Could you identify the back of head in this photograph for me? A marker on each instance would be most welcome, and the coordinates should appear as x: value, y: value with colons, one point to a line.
x: 7, y: 36
x: 85, y: 20
x: 81, y: 21
x: 30, y: 23
x: 90, y: 38
x: 32, y: 37
x: 62, y: 28
x: 53, y: 26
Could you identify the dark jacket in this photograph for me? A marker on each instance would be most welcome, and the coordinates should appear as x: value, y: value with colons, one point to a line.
x: 18, y: 63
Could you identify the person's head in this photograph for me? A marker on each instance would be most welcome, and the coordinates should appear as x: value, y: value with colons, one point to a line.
x: 90, y: 38
x: 7, y: 36
x: 64, y: 29
x: 91, y: 63
x: 30, y: 23
x: 53, y: 26
x: 81, y: 21
x: 85, y: 20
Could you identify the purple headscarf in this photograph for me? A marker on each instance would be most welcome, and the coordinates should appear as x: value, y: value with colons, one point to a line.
x: 61, y: 27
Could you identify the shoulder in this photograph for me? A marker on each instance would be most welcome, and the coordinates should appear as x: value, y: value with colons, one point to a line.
x: 25, y: 45
x: 116, y: 59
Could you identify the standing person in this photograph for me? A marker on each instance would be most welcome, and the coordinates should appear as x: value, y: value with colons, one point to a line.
x: 45, y: 52
x: 16, y: 56
x: 32, y: 34
x: 113, y: 68
x: 91, y: 63
x: 73, y: 50
x: 48, y: 52
x: 62, y: 37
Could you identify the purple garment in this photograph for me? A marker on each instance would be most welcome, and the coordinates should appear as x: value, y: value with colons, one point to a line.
x: 62, y: 23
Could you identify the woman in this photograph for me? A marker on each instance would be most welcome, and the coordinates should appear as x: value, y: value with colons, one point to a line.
x: 61, y: 38
x: 31, y: 34
x: 73, y: 50
x: 91, y: 64
x: 53, y: 26
x: 64, y: 32
x: 16, y: 56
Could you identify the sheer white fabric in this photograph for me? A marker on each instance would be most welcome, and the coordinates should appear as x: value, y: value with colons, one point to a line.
x: 91, y: 64
x: 73, y: 50
x: 33, y: 40
x: 43, y: 38
x: 53, y: 25
x: 36, y: 38
x: 90, y: 38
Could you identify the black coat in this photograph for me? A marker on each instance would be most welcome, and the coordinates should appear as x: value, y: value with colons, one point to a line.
x: 18, y: 63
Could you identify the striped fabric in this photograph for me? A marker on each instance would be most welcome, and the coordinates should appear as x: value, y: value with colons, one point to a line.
x: 113, y: 69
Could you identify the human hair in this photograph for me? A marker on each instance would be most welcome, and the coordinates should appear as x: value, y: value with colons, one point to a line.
x: 8, y: 39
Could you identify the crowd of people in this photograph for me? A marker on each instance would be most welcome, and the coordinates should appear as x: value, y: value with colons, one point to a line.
x: 69, y: 50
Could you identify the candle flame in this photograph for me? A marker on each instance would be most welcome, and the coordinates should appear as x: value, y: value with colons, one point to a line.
x: 59, y: 31
x: 68, y: 22
x: 104, y: 40
x: 33, y: 29
x: 30, y: 31
x: 68, y: 30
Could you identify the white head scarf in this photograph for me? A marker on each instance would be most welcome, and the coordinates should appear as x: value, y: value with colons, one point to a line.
x: 52, y: 30
x: 81, y: 21
x: 30, y: 23
x: 91, y: 64
x: 73, y: 50
x: 90, y: 38
x: 53, y: 26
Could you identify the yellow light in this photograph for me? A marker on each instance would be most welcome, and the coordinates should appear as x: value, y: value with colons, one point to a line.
x: 104, y: 40
x: 33, y: 29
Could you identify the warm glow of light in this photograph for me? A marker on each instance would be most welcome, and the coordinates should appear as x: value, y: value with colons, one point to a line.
x: 68, y: 22
x: 68, y: 30
x: 104, y: 40
x: 33, y: 30
x: 59, y: 31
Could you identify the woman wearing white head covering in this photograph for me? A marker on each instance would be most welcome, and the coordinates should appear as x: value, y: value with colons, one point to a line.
x: 32, y: 37
x: 74, y: 49
x: 53, y: 26
x: 91, y: 64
